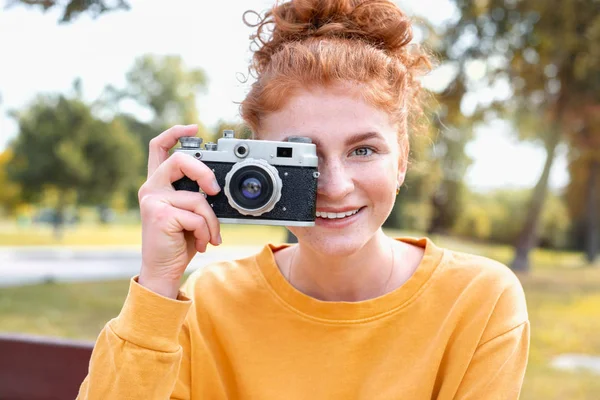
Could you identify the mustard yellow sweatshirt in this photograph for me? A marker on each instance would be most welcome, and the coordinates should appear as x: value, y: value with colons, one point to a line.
x: 457, y: 329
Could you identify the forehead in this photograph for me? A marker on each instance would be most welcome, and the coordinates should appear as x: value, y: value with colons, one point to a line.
x: 322, y: 112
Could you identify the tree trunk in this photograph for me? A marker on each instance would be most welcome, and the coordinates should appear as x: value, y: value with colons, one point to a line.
x: 438, y: 201
x: 528, y: 236
x: 59, y: 217
x: 591, y: 245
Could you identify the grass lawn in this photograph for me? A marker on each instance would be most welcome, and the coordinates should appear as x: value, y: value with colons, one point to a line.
x: 563, y: 300
x: 123, y: 235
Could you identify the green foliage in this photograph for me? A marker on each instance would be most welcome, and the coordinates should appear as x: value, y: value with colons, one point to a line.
x: 497, y: 217
x: 74, y: 8
x: 166, y: 87
x: 476, y: 221
x: 61, y: 145
x: 413, y: 209
x: 116, y: 159
x: 142, y: 133
x: 10, y: 193
x: 533, y: 62
x: 409, y: 215
x: 543, y: 50
x: 556, y: 224
x: 449, y: 157
x: 125, y: 233
x: 424, y: 172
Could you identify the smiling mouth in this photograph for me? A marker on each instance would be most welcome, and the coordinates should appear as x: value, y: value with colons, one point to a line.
x: 330, y: 215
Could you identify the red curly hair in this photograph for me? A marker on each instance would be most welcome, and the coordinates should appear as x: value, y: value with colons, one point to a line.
x: 303, y: 43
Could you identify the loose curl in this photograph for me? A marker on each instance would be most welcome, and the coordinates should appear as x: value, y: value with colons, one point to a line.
x: 324, y: 42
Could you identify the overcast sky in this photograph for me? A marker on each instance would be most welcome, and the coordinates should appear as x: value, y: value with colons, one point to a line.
x: 38, y: 55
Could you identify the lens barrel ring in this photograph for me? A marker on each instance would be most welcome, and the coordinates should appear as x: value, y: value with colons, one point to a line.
x: 262, y: 170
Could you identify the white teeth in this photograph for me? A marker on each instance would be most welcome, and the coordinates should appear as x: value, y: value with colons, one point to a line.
x: 329, y: 215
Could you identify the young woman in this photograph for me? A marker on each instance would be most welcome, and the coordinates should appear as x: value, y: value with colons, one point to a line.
x: 347, y: 313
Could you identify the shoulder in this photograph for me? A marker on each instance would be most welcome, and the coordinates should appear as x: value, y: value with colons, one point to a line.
x: 495, y: 285
x: 463, y: 268
x: 486, y: 288
x: 491, y: 275
x: 475, y: 267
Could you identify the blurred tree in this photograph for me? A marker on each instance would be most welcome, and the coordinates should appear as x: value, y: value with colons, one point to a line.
x: 61, y: 145
x: 556, y: 223
x: 10, y: 193
x: 448, y: 199
x: 485, y: 216
x: 535, y: 61
x: 71, y: 9
x: 474, y: 222
x: 164, y: 90
x: 165, y: 87
x: 412, y: 210
x: 116, y: 158
x: 583, y: 192
x: 455, y: 124
x: 142, y: 132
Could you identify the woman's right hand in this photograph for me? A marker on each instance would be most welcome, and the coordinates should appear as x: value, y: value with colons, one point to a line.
x: 175, y: 223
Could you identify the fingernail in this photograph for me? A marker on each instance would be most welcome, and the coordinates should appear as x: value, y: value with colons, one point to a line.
x: 216, y: 186
x: 219, y: 239
x: 190, y: 125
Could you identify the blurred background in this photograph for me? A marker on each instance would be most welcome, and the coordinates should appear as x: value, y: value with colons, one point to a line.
x: 508, y: 168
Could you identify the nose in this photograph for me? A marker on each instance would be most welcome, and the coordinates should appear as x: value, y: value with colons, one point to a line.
x: 335, y: 181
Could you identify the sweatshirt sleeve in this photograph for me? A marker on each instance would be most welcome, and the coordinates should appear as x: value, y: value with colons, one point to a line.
x: 497, y: 368
x: 139, y: 354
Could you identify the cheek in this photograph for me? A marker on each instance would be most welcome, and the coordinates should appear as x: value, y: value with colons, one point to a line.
x: 383, y: 186
x: 380, y: 176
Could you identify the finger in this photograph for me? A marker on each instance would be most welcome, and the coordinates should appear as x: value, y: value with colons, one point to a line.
x: 195, y: 224
x: 200, y: 245
x: 160, y: 145
x: 180, y: 165
x: 196, y: 203
x: 159, y: 215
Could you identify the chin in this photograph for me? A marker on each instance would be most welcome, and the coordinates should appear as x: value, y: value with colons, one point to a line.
x: 333, y: 244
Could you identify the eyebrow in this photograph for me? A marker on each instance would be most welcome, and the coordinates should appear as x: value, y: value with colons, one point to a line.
x: 356, y: 138
x: 361, y: 137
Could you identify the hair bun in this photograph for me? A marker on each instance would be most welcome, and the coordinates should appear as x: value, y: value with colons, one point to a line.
x: 379, y: 23
x: 383, y: 22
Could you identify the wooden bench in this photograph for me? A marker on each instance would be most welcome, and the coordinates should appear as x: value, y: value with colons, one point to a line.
x: 41, y: 368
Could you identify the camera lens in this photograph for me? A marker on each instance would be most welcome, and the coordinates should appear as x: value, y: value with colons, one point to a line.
x: 251, y: 188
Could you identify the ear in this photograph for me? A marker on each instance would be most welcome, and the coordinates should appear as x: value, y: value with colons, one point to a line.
x: 403, y: 159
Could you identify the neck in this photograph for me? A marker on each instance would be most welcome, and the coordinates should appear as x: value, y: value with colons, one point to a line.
x: 362, y: 275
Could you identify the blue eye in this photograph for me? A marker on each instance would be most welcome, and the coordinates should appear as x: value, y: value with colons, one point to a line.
x: 363, y: 151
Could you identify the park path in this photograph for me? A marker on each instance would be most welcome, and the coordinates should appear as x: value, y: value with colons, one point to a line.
x: 30, y: 265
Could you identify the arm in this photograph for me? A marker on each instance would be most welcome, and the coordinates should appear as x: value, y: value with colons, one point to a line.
x: 497, y: 367
x: 142, y: 353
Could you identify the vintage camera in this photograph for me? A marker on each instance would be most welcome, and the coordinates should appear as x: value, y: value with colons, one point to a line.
x: 263, y: 182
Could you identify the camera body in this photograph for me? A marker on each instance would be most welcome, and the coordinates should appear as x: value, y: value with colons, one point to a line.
x: 263, y: 182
